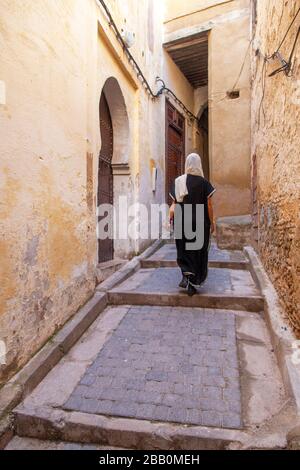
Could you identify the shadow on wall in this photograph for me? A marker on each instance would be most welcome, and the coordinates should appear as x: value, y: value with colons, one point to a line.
x: 204, y: 131
x: 120, y: 121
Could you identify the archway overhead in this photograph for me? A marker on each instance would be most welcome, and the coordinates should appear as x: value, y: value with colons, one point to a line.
x: 190, y: 54
x: 203, y: 118
x: 203, y: 108
x: 120, y: 121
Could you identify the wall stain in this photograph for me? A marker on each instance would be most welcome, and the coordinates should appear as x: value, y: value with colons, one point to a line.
x: 9, y: 194
x: 89, y: 181
x: 64, y: 249
x: 32, y: 251
x: 7, y: 276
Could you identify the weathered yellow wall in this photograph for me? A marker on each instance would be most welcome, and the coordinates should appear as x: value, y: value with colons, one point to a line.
x: 46, y: 270
x: 276, y: 142
x: 55, y: 60
x: 228, y: 24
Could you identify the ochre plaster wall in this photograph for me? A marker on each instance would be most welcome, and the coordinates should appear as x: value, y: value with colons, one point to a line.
x: 228, y: 26
x: 276, y: 142
x: 56, y: 59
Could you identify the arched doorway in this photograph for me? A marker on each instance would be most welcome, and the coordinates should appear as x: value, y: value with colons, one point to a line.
x: 113, y: 170
x: 105, y: 174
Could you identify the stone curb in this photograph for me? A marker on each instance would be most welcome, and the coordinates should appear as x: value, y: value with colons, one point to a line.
x: 128, y: 269
x: 6, y: 431
x: 293, y: 438
x: 121, y: 432
x: 282, y: 335
x: 41, y: 364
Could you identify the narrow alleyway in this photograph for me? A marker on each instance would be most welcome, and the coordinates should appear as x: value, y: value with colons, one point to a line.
x: 159, y: 370
x: 102, y: 104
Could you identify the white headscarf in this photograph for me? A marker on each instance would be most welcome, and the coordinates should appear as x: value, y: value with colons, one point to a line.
x: 193, y: 166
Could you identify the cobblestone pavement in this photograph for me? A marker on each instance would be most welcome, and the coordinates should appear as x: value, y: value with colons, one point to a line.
x: 166, y: 364
x: 140, y: 370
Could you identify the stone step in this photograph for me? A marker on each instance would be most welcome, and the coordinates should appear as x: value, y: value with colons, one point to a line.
x: 224, y: 289
x: 107, y: 432
x: 139, y: 416
x: 250, y: 304
x: 167, y: 378
x: 164, y: 263
x: 166, y: 257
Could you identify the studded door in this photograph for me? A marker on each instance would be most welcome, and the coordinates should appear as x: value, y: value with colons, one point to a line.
x: 175, y: 136
x: 105, y: 176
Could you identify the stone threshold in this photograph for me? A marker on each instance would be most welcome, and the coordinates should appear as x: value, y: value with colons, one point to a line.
x: 238, y: 265
x: 224, y: 302
x: 121, y: 432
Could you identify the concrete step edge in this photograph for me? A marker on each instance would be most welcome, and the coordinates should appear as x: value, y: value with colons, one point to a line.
x: 238, y: 265
x: 215, y: 301
x: 59, y: 425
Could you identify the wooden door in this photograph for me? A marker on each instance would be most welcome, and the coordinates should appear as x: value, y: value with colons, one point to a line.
x: 175, y: 147
x: 105, y: 175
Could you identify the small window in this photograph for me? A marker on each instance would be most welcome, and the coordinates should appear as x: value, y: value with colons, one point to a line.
x: 233, y: 95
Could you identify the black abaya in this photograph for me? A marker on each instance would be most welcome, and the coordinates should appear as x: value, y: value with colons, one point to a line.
x: 194, y: 262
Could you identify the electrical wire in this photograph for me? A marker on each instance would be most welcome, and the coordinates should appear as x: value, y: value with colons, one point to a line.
x: 178, y: 101
x: 286, y: 66
x: 130, y: 57
x: 238, y: 78
x: 293, y: 51
x: 138, y: 70
x: 263, y: 82
x: 287, y: 32
x: 243, y: 65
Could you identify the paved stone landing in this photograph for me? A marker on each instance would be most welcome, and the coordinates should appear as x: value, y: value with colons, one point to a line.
x: 219, y: 281
x: 161, y: 370
x: 168, y: 253
x: 166, y: 364
x: 165, y: 257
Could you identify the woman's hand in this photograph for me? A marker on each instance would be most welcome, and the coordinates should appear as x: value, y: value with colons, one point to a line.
x: 212, y: 227
x: 171, y: 212
x: 211, y: 216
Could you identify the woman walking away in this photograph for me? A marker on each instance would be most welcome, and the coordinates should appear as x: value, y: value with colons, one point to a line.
x: 189, y: 191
